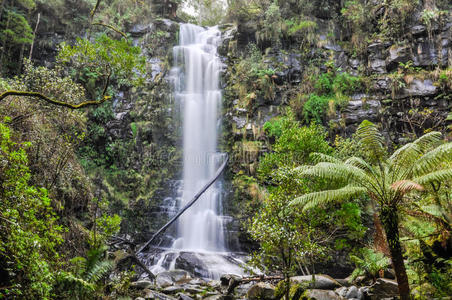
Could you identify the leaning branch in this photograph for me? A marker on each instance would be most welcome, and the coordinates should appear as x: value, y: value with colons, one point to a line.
x: 195, y: 197
x: 95, y: 8
x: 112, y: 28
x: 53, y: 101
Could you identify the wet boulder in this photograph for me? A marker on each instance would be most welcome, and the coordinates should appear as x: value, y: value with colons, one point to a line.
x: 261, y: 291
x: 383, y: 288
x: 316, y: 294
x: 323, y: 282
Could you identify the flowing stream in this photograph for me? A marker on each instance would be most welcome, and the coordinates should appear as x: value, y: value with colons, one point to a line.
x: 199, y: 243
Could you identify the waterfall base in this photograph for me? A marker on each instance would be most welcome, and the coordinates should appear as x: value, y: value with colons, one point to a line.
x: 206, y: 265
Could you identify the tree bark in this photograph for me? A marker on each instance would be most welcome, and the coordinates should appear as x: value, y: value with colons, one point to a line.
x: 390, y: 221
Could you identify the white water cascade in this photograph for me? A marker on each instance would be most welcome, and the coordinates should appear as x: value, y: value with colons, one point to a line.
x: 200, y: 236
x: 201, y: 227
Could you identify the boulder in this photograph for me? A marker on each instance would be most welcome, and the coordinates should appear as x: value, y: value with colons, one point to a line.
x: 261, y: 291
x: 163, y: 280
x: 141, y: 284
x: 160, y: 296
x: 383, y: 288
x: 229, y: 282
x: 324, y: 282
x: 316, y: 294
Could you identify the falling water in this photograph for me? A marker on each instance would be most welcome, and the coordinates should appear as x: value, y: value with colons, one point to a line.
x: 198, y: 90
x: 200, y: 231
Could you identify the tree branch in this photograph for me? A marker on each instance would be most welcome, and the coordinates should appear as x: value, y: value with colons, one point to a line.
x: 95, y: 8
x: 112, y: 28
x: 52, y: 101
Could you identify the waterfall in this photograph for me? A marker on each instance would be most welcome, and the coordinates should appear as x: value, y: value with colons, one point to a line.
x: 199, y: 244
x: 198, y: 91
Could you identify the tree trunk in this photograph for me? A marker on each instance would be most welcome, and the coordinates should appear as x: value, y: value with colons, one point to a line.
x: 390, y: 221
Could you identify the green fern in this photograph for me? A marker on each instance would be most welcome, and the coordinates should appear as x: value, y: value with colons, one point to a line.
x: 370, y: 264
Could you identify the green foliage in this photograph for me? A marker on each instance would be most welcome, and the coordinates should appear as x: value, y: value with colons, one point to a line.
x: 388, y: 181
x: 94, y: 61
x: 29, y: 232
x: 332, y: 90
x: 83, y: 280
x: 293, y: 144
x: 316, y: 107
x: 369, y: 264
x: 17, y: 30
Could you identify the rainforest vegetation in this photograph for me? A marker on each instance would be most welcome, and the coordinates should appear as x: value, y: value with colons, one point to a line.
x: 337, y: 117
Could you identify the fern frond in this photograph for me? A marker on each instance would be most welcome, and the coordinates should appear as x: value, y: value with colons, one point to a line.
x: 440, y: 176
x: 318, y: 198
x: 360, y: 163
x: 335, y: 171
x: 430, y: 160
x: 428, y: 140
x: 99, y: 270
x: 321, y: 157
x: 371, y: 138
x: 69, y: 278
x: 406, y: 154
x: 405, y: 186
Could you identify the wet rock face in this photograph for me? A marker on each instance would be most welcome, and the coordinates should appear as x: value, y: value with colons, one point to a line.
x: 190, y: 262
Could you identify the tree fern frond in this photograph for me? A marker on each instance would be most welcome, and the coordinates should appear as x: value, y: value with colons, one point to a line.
x: 321, y: 157
x: 428, y: 140
x: 406, y: 154
x: 99, y: 270
x: 405, y: 186
x: 360, y: 163
x: 440, y: 176
x: 318, y: 198
x: 371, y: 138
x: 335, y: 171
x: 430, y: 160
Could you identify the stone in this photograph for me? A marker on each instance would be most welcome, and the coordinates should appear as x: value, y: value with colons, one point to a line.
x: 148, y: 294
x: 378, y: 66
x: 418, y: 30
x: 229, y: 282
x: 160, y: 296
x: 261, y: 291
x: 219, y: 297
x: 139, y: 298
x: 174, y: 289
x: 317, y: 294
x: 214, y: 284
x: 163, y: 280
x: 141, y: 284
x: 193, y: 264
x: 420, y: 87
x: 397, y: 55
x: 383, y: 288
x: 321, y: 282
x: 182, y: 296
x: 352, y: 292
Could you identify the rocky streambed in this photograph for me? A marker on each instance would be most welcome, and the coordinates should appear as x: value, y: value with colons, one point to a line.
x: 180, y: 284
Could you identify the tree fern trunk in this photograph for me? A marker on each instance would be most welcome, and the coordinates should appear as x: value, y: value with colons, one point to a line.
x: 390, y: 222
